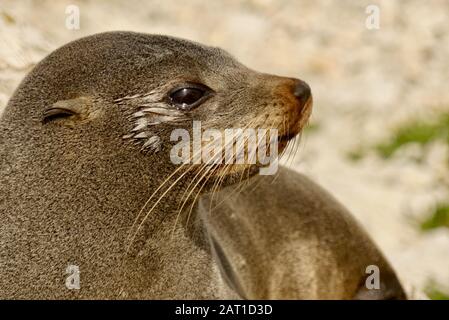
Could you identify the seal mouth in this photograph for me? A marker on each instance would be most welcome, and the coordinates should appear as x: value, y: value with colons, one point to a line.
x: 287, y: 137
x: 301, y: 122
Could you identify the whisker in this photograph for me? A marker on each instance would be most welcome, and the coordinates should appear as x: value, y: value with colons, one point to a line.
x: 196, y: 197
x: 154, y: 193
x: 152, y: 208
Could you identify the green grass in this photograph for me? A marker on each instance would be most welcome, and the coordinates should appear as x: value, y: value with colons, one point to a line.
x: 356, y: 154
x: 311, y: 127
x: 421, y: 132
x: 435, y: 293
x: 438, y: 218
x: 416, y: 131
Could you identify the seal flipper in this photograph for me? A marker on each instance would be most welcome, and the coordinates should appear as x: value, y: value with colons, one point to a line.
x: 226, y: 269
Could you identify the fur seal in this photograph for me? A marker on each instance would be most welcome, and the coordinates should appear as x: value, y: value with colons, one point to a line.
x: 84, y: 143
x: 87, y: 182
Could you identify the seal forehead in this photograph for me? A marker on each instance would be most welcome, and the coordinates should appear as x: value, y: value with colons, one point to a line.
x: 185, y: 54
x: 116, y: 63
x: 151, y: 49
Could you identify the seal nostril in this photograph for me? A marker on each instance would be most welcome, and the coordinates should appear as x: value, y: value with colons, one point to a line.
x: 301, y: 90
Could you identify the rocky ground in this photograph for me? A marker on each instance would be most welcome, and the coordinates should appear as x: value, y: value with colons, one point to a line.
x: 365, y: 83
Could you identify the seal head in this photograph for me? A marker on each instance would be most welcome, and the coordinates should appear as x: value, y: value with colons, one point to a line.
x: 85, y: 142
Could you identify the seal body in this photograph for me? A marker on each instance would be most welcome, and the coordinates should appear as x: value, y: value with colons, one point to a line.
x: 92, y: 205
x: 284, y: 237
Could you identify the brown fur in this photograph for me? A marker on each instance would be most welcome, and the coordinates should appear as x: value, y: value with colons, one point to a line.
x: 72, y: 188
x: 284, y: 237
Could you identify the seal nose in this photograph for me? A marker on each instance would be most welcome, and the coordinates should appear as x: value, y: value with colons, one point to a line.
x: 301, y: 90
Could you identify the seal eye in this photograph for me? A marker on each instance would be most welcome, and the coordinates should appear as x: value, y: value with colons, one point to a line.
x: 189, y: 97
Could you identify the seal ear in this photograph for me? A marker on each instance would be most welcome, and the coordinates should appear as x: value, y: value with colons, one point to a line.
x: 74, y: 110
x: 56, y: 113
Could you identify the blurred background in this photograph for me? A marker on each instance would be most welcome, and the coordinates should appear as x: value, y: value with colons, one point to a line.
x: 379, y: 135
